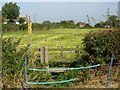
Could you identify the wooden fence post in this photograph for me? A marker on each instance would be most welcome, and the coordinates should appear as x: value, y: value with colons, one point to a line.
x: 46, y: 54
x: 42, y: 55
x: 46, y: 57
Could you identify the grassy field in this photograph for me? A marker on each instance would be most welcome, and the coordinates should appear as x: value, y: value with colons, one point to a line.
x: 52, y: 38
x: 68, y: 38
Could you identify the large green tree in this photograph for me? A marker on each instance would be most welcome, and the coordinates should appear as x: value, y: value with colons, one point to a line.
x: 11, y: 11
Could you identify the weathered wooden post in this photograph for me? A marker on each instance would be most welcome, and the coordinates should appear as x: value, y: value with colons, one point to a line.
x: 46, y: 54
x: 46, y: 57
x: 42, y: 54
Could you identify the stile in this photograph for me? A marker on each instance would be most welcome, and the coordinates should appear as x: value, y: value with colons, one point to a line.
x: 44, y: 52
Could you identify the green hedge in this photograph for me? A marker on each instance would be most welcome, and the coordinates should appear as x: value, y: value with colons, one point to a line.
x: 9, y: 27
x: 12, y: 62
x: 13, y: 27
x: 100, y: 45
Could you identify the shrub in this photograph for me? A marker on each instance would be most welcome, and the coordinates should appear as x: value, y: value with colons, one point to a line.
x: 9, y: 27
x: 101, y: 44
x: 12, y: 63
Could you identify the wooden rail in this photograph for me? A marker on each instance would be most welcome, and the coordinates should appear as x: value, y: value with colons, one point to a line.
x: 60, y: 49
x: 44, y: 52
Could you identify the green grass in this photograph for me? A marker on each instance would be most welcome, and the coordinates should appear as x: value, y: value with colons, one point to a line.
x: 52, y: 38
x: 68, y: 38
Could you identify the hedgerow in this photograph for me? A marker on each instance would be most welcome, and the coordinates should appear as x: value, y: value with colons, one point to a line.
x: 9, y: 27
x: 100, y: 45
x: 12, y: 62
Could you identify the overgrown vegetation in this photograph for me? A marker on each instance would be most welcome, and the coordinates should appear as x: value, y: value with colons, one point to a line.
x: 13, y: 68
x: 101, y: 45
x: 12, y: 63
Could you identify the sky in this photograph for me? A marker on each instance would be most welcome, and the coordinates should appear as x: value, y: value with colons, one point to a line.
x: 61, y: 0
x: 57, y: 11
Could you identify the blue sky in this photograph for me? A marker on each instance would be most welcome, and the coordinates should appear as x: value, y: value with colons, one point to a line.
x: 61, y: 0
x: 77, y: 11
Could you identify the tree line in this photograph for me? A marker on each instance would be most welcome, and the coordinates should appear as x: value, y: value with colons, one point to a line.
x: 11, y: 11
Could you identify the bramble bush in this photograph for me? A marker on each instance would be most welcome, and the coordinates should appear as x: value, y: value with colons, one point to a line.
x: 12, y: 62
x: 100, y: 45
